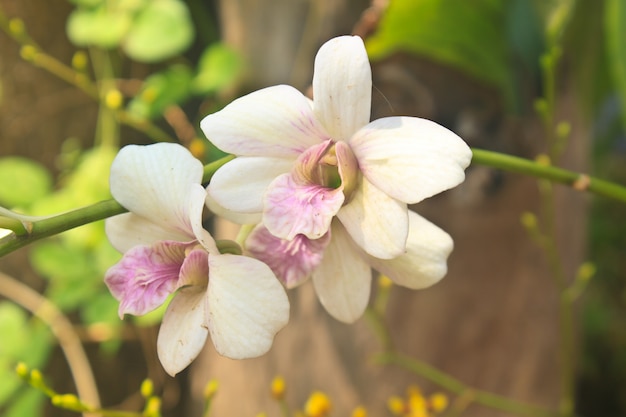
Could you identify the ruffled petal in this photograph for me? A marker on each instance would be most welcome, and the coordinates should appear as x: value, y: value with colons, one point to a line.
x: 292, y: 261
x: 146, y: 276
x: 424, y: 263
x: 184, y: 330
x: 410, y: 158
x: 240, y: 184
x: 291, y: 208
x: 127, y: 230
x: 342, y: 86
x: 377, y: 223
x: 154, y: 182
x: 247, y: 306
x: 275, y: 121
x: 343, y: 279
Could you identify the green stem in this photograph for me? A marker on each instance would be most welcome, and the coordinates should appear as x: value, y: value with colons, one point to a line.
x: 457, y: 387
x: 49, y: 226
x: 579, y: 181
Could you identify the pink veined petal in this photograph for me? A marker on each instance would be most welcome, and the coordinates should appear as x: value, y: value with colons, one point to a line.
x: 197, y: 197
x: 291, y: 209
x: 342, y: 86
x: 153, y: 182
x: 376, y: 222
x: 247, y: 306
x: 424, y: 263
x: 184, y: 330
x: 276, y: 121
x: 195, y: 268
x: 410, y: 158
x: 343, y: 279
x: 146, y: 276
x: 292, y: 261
x: 127, y: 230
x: 240, y: 184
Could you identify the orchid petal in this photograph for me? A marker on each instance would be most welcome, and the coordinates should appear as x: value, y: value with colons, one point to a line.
x: 343, y: 279
x: 195, y: 269
x: 197, y: 197
x: 247, y: 306
x: 154, y: 181
x: 291, y: 208
x: 342, y: 86
x: 292, y: 261
x: 275, y: 121
x: 184, y: 330
x: 424, y: 263
x: 240, y: 184
x: 145, y: 276
x: 410, y: 158
x: 233, y: 216
x: 377, y: 223
x: 127, y: 230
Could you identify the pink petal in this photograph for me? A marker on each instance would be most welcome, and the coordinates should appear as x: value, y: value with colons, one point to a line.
x: 275, y: 121
x: 146, y: 276
x: 195, y: 268
x: 343, y: 279
x: 184, y: 330
x: 342, y: 86
x: 292, y: 261
x: 291, y: 208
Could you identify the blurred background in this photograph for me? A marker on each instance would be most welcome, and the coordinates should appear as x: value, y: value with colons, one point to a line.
x: 81, y: 78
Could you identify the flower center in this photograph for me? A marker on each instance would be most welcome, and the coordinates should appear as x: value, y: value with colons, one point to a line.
x: 331, y: 165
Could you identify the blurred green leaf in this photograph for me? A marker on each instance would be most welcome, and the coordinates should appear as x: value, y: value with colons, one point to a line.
x: 29, y: 181
x: 103, y: 26
x: 218, y: 68
x: 28, y: 402
x: 161, y: 30
x: 615, y: 24
x: 469, y: 35
x: 12, y: 321
x: 162, y: 90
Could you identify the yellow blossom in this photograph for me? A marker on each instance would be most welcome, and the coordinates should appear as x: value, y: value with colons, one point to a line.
x: 318, y: 405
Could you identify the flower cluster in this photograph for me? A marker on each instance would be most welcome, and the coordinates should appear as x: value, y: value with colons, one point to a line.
x: 327, y: 189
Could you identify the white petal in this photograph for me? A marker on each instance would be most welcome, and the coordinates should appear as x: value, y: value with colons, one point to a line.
x: 154, y: 182
x: 410, y: 158
x: 184, y: 329
x: 197, y: 197
x: 343, y: 280
x: 240, y: 184
x: 233, y: 216
x: 247, y: 306
x: 424, y: 263
x: 127, y: 230
x: 378, y: 223
x: 342, y: 86
x: 275, y: 121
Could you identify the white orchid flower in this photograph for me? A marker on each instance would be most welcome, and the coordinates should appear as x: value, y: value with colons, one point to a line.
x: 332, y: 188
x: 235, y: 299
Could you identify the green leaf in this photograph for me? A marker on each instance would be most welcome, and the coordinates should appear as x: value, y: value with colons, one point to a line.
x: 12, y: 321
x: 24, y: 181
x: 218, y: 68
x: 103, y: 26
x: 162, y: 30
x: 615, y: 24
x: 28, y: 402
x: 162, y: 90
x: 469, y: 35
